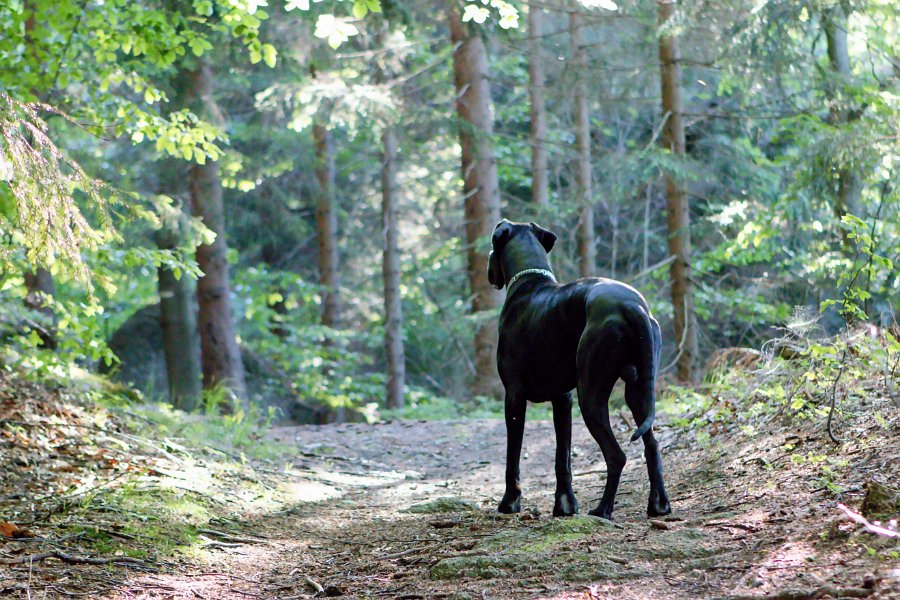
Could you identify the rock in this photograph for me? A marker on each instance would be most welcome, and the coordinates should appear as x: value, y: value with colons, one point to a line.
x: 583, y: 524
x: 475, y: 567
x: 880, y: 500
x: 444, y: 504
x: 138, y: 343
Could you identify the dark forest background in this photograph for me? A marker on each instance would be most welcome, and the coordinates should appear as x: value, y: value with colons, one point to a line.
x: 288, y: 206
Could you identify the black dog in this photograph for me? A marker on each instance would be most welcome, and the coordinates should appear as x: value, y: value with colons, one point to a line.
x: 584, y: 335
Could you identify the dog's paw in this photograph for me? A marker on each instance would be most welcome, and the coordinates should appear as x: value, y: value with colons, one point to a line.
x: 510, y: 506
x: 566, y: 505
x: 658, y: 507
x: 602, y: 511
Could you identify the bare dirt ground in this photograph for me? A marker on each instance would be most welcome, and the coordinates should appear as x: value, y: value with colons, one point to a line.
x: 748, y: 522
x: 755, y: 516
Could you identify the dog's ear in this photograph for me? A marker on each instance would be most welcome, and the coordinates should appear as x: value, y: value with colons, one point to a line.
x: 501, y: 235
x: 546, y: 238
x: 495, y: 271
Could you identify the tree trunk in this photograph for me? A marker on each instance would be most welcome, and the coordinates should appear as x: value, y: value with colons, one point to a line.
x: 393, y: 313
x: 326, y: 226
x: 38, y: 297
x: 181, y: 339
x: 393, y: 308
x: 847, y: 195
x: 540, y: 186
x: 677, y: 209
x: 481, y: 189
x: 587, y: 246
x: 221, y: 356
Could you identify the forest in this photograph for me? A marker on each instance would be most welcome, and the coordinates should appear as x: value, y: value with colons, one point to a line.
x: 249, y: 340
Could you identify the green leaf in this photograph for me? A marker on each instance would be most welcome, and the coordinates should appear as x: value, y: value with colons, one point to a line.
x: 269, y: 55
x: 199, y: 45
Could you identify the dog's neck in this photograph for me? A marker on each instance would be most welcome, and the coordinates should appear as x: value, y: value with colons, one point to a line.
x: 519, y: 258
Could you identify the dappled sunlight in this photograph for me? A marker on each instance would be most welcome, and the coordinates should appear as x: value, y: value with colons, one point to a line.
x: 791, y: 554
x: 308, y: 491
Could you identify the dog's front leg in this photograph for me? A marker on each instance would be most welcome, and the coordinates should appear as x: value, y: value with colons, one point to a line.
x: 565, y: 504
x: 515, y: 429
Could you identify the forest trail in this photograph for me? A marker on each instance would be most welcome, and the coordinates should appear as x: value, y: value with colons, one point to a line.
x: 750, y: 520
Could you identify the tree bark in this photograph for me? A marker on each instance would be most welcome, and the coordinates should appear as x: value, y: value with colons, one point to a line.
x: 540, y: 187
x: 221, y: 355
x: 481, y: 189
x: 181, y: 338
x: 677, y: 208
x: 587, y: 246
x: 38, y: 296
x: 849, y: 189
x: 393, y: 311
x: 326, y: 226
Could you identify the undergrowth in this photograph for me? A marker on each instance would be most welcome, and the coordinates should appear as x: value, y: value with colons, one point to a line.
x: 797, y: 379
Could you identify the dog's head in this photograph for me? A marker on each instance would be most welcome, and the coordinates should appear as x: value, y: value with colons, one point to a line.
x: 525, y: 234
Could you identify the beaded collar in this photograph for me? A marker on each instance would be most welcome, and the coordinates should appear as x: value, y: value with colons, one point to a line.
x: 543, y: 272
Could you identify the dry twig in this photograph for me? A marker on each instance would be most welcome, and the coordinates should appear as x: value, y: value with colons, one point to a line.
x: 871, y: 527
x: 72, y: 559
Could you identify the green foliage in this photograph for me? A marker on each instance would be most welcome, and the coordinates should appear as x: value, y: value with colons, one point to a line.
x: 38, y: 187
x: 80, y: 175
x: 280, y: 325
x: 434, y: 408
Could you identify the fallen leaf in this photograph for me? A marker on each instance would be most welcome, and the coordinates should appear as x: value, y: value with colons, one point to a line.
x: 11, y: 530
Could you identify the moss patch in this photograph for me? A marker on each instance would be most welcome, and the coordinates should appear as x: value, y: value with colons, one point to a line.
x: 444, y: 504
x: 559, y: 547
x: 679, y: 544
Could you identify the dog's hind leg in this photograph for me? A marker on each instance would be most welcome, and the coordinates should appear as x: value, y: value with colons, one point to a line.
x: 640, y: 397
x: 598, y: 370
x: 515, y: 430
x: 565, y: 504
x: 636, y: 397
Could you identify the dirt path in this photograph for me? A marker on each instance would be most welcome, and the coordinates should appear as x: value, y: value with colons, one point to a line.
x: 750, y: 520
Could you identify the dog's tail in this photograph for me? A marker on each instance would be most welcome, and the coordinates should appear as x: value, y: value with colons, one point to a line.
x: 644, y: 372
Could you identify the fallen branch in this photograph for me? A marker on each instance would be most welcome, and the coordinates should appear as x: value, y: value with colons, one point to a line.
x: 870, y: 527
x: 663, y: 263
x: 215, y: 544
x: 405, y: 552
x: 593, y: 472
x: 315, y: 585
x: 232, y: 538
x: 73, y: 560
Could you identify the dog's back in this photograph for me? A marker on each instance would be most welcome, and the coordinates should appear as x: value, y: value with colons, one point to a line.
x: 543, y: 324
